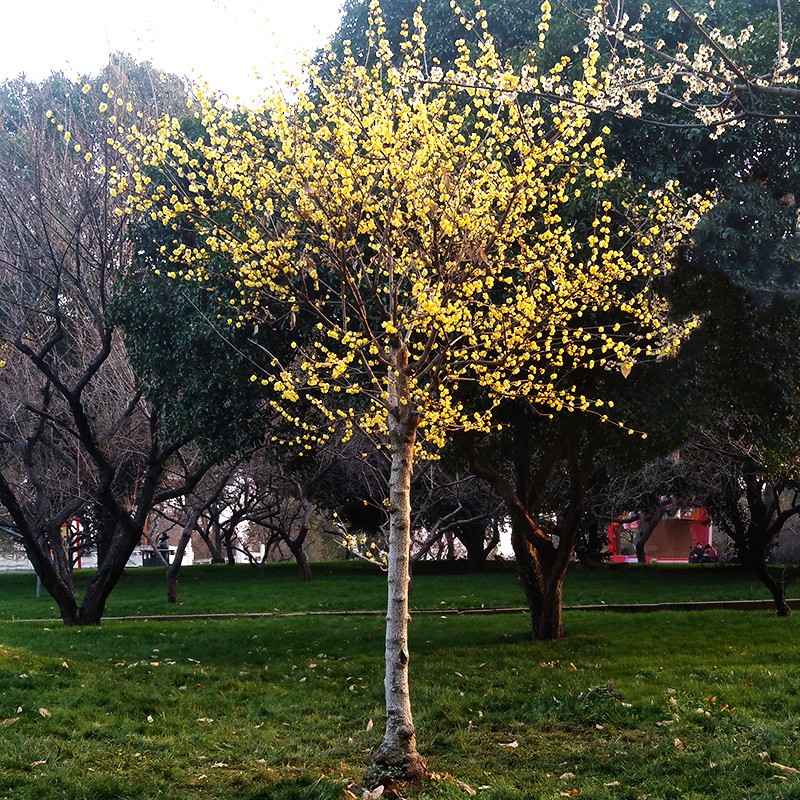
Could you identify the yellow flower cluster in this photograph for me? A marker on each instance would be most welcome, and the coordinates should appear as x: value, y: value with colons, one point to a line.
x: 443, y: 236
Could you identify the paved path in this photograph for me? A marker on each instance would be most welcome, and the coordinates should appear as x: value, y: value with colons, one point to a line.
x: 629, y: 608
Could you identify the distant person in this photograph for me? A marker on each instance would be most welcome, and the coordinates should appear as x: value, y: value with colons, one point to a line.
x: 696, y: 554
x: 710, y: 555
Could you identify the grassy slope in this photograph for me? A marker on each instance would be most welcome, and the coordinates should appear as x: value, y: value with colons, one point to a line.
x: 666, y: 705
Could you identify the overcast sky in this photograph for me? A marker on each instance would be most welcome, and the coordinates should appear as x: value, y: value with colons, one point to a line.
x: 221, y: 41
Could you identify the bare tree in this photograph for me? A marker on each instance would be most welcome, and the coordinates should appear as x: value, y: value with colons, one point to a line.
x: 77, y: 436
x: 752, y: 500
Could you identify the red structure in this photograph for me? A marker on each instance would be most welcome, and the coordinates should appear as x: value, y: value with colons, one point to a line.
x: 671, y: 540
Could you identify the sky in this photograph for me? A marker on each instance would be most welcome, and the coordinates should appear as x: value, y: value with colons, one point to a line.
x: 224, y: 42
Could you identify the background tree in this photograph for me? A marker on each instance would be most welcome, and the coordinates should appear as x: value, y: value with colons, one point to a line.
x: 710, y: 93
x: 79, y: 434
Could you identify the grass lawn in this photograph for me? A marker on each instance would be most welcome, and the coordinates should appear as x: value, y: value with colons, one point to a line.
x: 359, y: 586
x: 658, y: 706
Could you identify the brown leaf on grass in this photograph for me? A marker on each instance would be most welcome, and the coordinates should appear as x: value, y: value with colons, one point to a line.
x: 219, y: 765
x: 207, y: 720
x: 9, y: 721
x: 348, y: 795
x: 567, y: 776
x: 39, y: 763
x: 45, y: 713
x: 678, y: 744
x: 369, y: 724
x: 446, y: 776
x: 513, y: 745
x: 784, y: 768
x: 373, y: 794
x: 468, y: 789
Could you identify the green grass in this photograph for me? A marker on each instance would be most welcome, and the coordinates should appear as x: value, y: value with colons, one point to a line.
x: 357, y: 586
x: 668, y: 705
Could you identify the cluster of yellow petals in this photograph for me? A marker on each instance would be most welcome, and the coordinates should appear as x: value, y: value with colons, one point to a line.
x: 405, y: 206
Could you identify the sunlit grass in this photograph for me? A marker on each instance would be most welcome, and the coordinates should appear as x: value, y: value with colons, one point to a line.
x: 668, y: 705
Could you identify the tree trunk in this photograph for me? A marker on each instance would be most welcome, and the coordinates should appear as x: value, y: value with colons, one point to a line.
x: 398, y: 751
x: 230, y: 552
x: 302, y: 562
x: 550, y: 622
x: 107, y: 576
x: 776, y: 588
x: 57, y: 583
x: 174, y: 568
x: 473, y: 537
x: 646, y: 531
x: 542, y: 580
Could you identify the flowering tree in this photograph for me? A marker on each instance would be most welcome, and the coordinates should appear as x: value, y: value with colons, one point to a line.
x: 721, y: 65
x: 414, y: 228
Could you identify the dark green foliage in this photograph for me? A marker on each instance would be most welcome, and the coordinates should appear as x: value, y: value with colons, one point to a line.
x: 753, y: 168
x: 512, y: 24
x: 194, y: 367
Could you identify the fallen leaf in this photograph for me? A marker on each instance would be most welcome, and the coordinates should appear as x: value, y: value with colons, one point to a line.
x: 9, y: 721
x: 613, y: 783
x: 468, y: 789
x: 784, y: 768
x: 204, y: 719
x: 678, y: 744
x: 38, y: 763
x: 512, y: 745
x: 369, y: 725
x: 567, y: 776
x: 348, y: 795
x: 45, y: 713
x: 150, y: 718
x: 219, y: 765
x: 374, y: 794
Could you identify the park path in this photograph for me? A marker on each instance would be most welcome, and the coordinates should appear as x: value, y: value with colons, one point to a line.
x: 626, y: 608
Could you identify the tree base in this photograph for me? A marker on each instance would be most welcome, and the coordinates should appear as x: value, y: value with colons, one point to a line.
x: 395, y: 766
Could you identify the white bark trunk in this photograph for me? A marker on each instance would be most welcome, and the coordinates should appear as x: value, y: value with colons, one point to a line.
x: 399, y: 748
